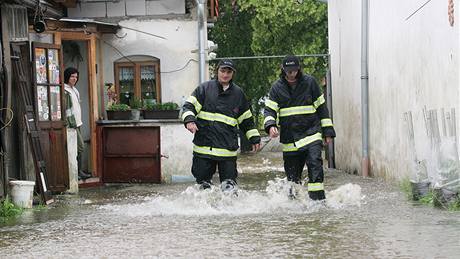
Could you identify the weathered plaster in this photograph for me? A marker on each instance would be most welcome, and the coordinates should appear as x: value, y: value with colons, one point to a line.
x: 413, y: 87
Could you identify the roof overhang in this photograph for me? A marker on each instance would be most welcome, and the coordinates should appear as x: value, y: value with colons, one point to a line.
x: 86, y: 25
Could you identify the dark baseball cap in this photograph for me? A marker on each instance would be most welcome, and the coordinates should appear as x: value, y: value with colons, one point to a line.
x: 227, y: 63
x: 291, y: 63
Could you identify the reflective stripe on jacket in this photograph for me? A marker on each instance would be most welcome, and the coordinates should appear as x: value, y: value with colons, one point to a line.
x: 219, y: 115
x: 301, y: 111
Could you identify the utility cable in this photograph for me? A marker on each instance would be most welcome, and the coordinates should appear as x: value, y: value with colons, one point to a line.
x: 148, y: 33
x: 11, y: 118
x: 131, y: 61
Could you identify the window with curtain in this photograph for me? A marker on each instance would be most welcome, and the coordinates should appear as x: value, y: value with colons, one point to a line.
x: 138, y: 80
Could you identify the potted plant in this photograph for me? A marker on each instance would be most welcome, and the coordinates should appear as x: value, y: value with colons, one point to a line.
x: 118, y: 111
x: 167, y: 110
x: 136, y: 106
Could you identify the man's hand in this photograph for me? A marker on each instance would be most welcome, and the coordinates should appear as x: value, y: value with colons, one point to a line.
x: 255, y: 147
x: 273, y: 132
x: 327, y: 141
x: 191, y: 126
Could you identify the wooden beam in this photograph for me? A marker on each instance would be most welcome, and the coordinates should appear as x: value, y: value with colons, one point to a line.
x: 94, y: 106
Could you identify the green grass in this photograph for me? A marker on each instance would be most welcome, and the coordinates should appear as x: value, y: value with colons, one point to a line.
x: 455, y: 205
x: 406, y: 188
x: 8, y: 209
x: 427, y: 198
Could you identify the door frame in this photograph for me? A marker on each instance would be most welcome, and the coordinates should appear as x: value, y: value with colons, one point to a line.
x: 93, y: 101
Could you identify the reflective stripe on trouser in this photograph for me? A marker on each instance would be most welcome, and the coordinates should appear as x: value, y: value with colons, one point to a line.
x: 204, y: 168
x: 294, y: 164
x: 213, y: 151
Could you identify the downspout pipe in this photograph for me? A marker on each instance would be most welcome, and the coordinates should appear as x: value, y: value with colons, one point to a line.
x: 365, y: 87
x: 201, y: 39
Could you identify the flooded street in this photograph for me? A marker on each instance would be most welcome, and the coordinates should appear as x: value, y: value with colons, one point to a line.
x: 362, y: 218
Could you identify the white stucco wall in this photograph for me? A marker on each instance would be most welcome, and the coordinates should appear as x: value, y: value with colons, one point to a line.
x: 177, y: 149
x: 413, y: 87
x: 178, y: 60
x: 177, y: 53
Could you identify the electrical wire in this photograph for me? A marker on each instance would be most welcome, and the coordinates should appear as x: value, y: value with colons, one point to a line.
x: 148, y: 33
x: 11, y: 118
x: 182, y: 68
x: 161, y: 72
x: 416, y: 11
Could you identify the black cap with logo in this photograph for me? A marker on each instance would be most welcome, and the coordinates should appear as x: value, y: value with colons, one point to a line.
x: 291, y: 63
x: 227, y: 63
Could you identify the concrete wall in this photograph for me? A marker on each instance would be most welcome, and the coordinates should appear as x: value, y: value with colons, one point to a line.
x: 127, y: 8
x: 413, y: 87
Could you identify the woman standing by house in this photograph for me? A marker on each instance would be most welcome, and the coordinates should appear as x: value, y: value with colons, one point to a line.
x: 75, y: 142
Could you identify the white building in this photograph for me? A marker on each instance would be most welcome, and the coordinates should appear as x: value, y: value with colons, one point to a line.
x: 413, y: 83
x: 155, y: 55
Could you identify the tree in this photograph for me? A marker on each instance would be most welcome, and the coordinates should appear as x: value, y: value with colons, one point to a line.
x: 290, y: 27
x: 247, y: 28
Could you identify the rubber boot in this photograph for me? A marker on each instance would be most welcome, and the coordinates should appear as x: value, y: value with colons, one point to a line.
x: 205, y: 185
x: 317, y: 195
x: 81, y: 174
x: 229, y: 186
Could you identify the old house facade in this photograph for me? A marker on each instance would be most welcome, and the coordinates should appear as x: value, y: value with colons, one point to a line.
x: 148, y: 50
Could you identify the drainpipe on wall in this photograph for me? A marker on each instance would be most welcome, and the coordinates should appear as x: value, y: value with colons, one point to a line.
x: 365, y: 87
x: 201, y: 38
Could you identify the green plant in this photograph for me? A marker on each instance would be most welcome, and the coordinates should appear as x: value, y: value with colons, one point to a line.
x: 455, y: 205
x: 135, y: 103
x: 8, y: 209
x: 427, y: 198
x: 406, y: 188
x: 118, y: 107
x: 161, y: 106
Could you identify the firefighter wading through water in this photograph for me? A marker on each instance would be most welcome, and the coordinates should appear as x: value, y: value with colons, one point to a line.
x: 304, y: 120
x: 214, y: 112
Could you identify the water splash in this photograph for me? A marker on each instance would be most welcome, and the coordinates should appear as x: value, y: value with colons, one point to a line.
x: 274, y: 200
x: 345, y: 196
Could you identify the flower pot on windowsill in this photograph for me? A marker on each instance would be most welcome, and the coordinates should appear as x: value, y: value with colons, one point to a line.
x: 168, y: 110
x: 119, y: 111
x: 161, y: 114
x: 118, y: 115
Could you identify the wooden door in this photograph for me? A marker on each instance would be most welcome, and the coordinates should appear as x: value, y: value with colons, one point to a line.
x: 131, y: 154
x: 48, y: 78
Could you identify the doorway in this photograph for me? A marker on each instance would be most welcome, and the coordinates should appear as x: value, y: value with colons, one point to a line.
x: 75, y: 54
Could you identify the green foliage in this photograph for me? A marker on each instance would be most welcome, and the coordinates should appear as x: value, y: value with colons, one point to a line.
x: 427, y: 198
x: 455, y: 205
x: 406, y: 188
x: 118, y: 107
x: 8, y: 209
x: 161, y: 106
x: 135, y: 103
x: 270, y: 28
x: 287, y: 27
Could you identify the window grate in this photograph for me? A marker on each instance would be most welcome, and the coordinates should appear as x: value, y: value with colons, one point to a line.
x: 17, y: 22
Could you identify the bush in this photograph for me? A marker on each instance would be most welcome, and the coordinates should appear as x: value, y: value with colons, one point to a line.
x: 161, y: 106
x: 8, y: 209
x: 118, y: 107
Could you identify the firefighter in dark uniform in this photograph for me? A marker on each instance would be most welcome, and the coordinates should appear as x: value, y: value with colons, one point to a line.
x: 296, y: 100
x: 214, y: 112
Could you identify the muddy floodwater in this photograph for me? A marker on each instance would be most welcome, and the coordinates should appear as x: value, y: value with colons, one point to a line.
x: 362, y: 218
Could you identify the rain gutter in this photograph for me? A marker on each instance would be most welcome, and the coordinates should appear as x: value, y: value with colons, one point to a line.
x: 365, y: 87
x: 201, y: 39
